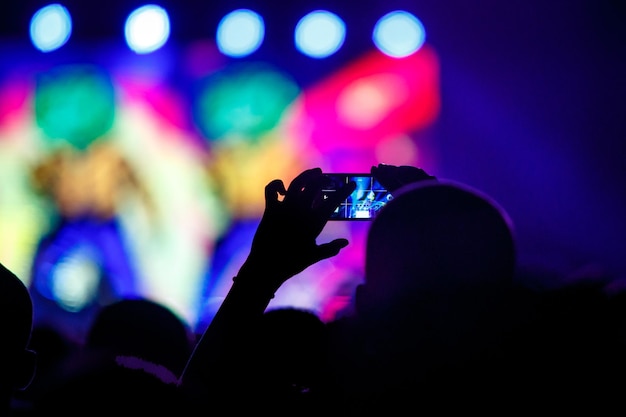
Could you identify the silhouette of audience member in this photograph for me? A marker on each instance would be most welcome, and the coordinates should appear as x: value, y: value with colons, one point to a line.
x: 433, y: 310
x: 144, y: 329
x: 130, y: 362
x: 16, y: 321
x: 441, y: 323
x: 440, y: 259
x: 226, y: 358
x: 99, y: 385
x: 292, y: 362
x: 53, y: 348
x: 570, y: 352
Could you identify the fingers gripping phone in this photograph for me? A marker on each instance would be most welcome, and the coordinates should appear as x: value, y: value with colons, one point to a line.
x: 366, y: 200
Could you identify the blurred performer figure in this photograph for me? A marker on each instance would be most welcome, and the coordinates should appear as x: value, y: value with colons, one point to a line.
x: 84, y: 261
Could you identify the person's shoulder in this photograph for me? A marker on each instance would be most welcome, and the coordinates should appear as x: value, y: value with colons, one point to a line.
x: 16, y: 307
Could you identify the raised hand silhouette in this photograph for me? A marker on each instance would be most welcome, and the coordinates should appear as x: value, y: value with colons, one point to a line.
x: 284, y: 244
x: 285, y: 241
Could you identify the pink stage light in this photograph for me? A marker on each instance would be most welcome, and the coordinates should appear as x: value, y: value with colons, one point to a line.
x: 373, y: 99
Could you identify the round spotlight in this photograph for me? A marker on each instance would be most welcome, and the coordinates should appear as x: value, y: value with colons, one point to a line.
x: 320, y: 34
x: 147, y: 29
x: 240, y: 33
x: 399, y: 34
x: 50, y: 27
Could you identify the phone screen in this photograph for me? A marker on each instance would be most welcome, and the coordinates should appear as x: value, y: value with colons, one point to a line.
x: 366, y: 200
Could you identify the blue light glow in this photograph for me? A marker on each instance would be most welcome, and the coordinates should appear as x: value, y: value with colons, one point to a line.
x: 240, y: 33
x: 320, y: 34
x: 50, y: 27
x: 399, y: 34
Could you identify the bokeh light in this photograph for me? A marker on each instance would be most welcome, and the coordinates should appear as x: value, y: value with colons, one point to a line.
x: 74, y: 104
x: 75, y: 281
x: 372, y: 98
x: 50, y: 27
x: 245, y: 101
x: 399, y: 34
x: 368, y: 100
x: 320, y: 34
x: 147, y: 29
x: 399, y: 150
x: 240, y: 33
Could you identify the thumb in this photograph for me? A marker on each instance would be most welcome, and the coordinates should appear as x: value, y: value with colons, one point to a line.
x: 330, y: 249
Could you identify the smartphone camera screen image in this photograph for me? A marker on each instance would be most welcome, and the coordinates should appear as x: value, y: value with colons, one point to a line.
x: 366, y: 200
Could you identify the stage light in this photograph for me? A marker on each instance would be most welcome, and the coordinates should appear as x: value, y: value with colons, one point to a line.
x: 75, y: 280
x: 147, y: 29
x: 50, y: 27
x: 74, y: 104
x: 320, y: 34
x: 240, y: 33
x: 374, y: 98
x: 244, y: 101
x: 399, y: 34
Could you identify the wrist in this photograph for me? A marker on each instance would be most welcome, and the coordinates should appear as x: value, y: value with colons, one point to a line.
x: 253, y: 285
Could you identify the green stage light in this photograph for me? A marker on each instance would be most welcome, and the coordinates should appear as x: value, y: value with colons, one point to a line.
x: 74, y: 104
x: 243, y: 101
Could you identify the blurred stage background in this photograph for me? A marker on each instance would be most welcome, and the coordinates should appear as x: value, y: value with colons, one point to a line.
x: 155, y: 159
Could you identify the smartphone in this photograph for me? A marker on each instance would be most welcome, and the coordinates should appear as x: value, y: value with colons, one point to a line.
x: 366, y: 200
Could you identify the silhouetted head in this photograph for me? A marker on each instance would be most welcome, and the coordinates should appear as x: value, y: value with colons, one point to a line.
x: 438, y: 238
x: 142, y: 328
x: 103, y: 385
x: 16, y: 322
x: 293, y: 346
x: 439, y: 268
x: 291, y: 362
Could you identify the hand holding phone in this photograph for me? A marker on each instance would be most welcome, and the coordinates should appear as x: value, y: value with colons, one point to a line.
x: 394, y: 177
x: 285, y: 242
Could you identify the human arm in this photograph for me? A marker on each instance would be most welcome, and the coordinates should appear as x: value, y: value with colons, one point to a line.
x: 284, y: 244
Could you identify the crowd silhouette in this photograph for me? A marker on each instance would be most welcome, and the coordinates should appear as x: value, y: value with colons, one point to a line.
x: 444, y: 321
x: 16, y: 320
